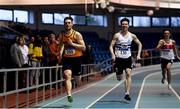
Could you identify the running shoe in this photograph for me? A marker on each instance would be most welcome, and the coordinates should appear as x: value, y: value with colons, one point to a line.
x: 127, y: 97
x: 70, y: 99
x: 169, y: 87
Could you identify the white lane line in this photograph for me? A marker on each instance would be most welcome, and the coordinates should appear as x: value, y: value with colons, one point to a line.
x: 143, y: 69
x: 77, y: 91
x: 178, y: 97
x: 142, y: 86
x: 104, y: 94
x: 112, y: 89
x: 137, y: 72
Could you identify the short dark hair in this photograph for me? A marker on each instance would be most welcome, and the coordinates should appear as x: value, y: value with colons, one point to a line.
x: 68, y: 18
x: 124, y: 19
x: 166, y: 30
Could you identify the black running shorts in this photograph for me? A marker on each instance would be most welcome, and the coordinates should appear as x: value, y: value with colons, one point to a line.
x: 122, y: 64
x: 73, y: 64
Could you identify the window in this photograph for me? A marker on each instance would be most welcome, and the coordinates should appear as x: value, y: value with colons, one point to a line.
x: 6, y: 15
x: 130, y: 20
x: 175, y: 21
x: 141, y: 21
x: 47, y: 18
x: 160, y: 21
x: 80, y: 20
x: 59, y: 18
x: 31, y: 17
x: 97, y: 20
x: 20, y: 16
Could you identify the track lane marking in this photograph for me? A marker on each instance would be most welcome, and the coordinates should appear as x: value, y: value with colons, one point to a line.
x: 117, y: 86
x: 142, y: 86
x: 136, y: 70
x: 111, y: 75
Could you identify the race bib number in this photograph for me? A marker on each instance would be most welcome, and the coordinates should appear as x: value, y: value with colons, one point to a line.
x: 69, y: 51
x: 166, y: 52
x: 123, y: 49
x: 123, y: 52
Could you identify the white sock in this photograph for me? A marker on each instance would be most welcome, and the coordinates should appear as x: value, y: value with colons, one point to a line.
x: 127, y: 93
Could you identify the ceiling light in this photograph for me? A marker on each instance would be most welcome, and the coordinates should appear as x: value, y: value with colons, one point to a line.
x: 111, y: 9
x: 103, y: 5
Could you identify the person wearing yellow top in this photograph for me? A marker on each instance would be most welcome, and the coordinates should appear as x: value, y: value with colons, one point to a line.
x: 31, y: 43
x: 36, y: 58
x: 73, y: 44
x: 37, y: 54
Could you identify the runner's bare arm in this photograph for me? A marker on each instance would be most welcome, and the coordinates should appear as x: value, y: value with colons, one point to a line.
x: 176, y: 50
x: 80, y: 42
x: 160, y: 44
x: 136, y: 40
x: 113, y: 41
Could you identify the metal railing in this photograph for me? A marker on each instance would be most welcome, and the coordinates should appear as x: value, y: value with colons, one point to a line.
x: 150, y: 57
x: 47, y: 86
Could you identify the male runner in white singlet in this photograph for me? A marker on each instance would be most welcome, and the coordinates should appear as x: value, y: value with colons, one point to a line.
x: 120, y: 49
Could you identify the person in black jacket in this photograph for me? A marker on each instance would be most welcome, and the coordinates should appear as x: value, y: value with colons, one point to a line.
x: 87, y: 58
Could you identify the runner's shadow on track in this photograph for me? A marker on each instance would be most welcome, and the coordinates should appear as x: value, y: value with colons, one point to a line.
x: 165, y: 94
x: 118, y: 101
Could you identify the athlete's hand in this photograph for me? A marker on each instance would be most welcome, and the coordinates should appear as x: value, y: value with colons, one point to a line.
x: 113, y: 58
x: 70, y: 42
x: 161, y: 42
x: 138, y: 57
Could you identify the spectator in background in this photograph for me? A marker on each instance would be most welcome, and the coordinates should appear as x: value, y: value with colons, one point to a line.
x: 16, y: 54
x: 31, y: 46
x: 146, y: 57
x: 25, y: 52
x: 87, y: 58
x: 46, y: 56
x: 46, y: 51
x: 17, y: 62
x: 72, y: 45
x: 54, y: 53
x: 53, y: 46
x: 59, y: 58
x: 36, y: 58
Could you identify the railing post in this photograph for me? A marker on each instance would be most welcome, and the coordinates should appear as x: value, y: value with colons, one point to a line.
x: 5, y: 90
x: 50, y: 78
x: 17, y: 87
x: 56, y: 78
x: 61, y: 78
x: 27, y: 86
x: 44, y: 87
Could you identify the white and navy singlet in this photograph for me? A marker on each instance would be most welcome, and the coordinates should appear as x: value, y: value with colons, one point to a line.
x: 123, y: 45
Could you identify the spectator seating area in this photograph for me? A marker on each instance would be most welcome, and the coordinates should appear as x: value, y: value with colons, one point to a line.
x: 100, y: 47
